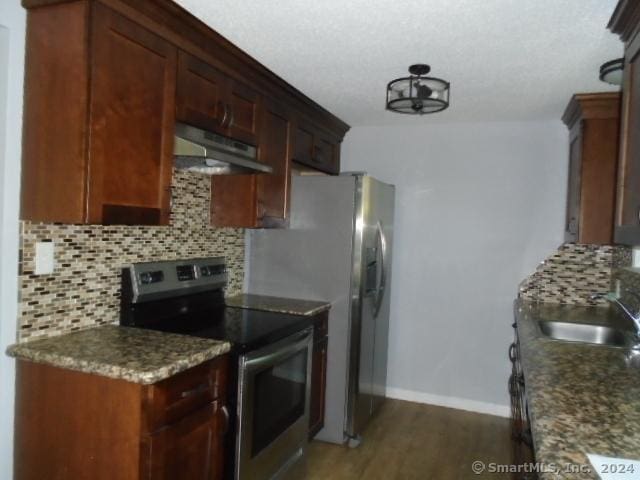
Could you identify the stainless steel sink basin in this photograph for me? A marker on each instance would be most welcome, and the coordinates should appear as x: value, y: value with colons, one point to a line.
x: 584, y: 333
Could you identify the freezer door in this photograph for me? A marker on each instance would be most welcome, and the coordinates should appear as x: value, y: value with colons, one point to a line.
x: 371, y: 280
x: 313, y: 260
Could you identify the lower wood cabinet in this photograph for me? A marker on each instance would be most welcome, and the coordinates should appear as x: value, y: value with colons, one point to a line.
x: 318, y: 374
x: 73, y: 425
x: 190, y: 448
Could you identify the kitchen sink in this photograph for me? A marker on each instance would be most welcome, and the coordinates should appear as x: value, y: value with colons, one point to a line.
x: 585, y: 333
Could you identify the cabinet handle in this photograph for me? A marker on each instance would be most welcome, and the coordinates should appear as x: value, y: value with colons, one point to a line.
x: 638, y: 215
x: 225, y: 412
x: 232, y: 117
x: 223, y: 106
x: 194, y: 391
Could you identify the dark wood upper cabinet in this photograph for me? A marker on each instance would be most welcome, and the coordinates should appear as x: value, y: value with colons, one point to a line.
x: 244, y: 112
x: 214, y: 101
x: 626, y: 23
x: 273, y: 190
x: 201, y: 97
x: 106, y: 81
x: 261, y: 200
x: 304, y: 143
x: 593, y: 121
x: 316, y: 148
x: 113, y: 162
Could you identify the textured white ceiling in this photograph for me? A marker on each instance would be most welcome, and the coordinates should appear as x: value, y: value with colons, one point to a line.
x: 506, y: 59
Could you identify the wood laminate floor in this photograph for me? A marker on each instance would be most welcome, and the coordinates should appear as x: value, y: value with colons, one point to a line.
x: 410, y: 441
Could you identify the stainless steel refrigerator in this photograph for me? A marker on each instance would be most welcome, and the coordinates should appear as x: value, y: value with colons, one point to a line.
x: 338, y: 249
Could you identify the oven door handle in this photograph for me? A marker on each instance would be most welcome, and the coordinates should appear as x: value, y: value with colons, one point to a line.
x: 278, y: 352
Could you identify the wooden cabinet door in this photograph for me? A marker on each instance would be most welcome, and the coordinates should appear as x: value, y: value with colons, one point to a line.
x: 201, y: 94
x: 326, y: 153
x: 244, y: 112
x: 275, y: 145
x: 573, y: 187
x: 318, y: 386
x: 210, y: 99
x: 133, y: 79
x: 628, y: 212
x: 303, y: 144
x: 191, y: 448
x: 316, y: 148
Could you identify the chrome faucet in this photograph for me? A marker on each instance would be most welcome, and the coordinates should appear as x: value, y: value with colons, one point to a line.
x: 615, y: 299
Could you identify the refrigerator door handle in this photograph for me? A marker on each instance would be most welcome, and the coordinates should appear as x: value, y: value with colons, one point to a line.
x: 382, y: 240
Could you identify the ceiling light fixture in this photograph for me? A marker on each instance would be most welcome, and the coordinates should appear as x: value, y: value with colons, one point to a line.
x: 418, y: 94
x: 611, y: 72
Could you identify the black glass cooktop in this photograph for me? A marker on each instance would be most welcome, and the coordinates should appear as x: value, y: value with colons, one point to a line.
x: 205, y: 315
x: 245, y: 329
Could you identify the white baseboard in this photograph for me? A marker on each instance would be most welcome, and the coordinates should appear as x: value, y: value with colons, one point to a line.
x: 450, y: 402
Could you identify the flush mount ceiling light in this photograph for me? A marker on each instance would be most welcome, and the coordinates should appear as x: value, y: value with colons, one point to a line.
x: 611, y: 72
x: 418, y: 94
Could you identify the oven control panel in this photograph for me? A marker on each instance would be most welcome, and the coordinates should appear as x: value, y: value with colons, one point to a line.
x: 147, y: 278
x: 185, y: 273
x: 155, y: 280
x: 212, y: 270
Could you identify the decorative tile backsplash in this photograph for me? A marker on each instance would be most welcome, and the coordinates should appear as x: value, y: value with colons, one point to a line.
x: 626, y: 279
x: 572, y: 274
x: 84, y: 289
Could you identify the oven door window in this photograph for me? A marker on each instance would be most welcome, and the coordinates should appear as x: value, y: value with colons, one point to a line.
x: 278, y: 399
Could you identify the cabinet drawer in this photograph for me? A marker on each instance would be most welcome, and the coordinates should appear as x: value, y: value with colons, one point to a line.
x: 178, y: 396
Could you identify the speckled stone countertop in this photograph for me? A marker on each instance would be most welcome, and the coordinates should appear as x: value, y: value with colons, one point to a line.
x: 132, y: 354
x: 582, y: 398
x: 290, y: 306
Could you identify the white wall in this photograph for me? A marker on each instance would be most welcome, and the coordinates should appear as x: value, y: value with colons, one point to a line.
x: 12, y: 30
x: 477, y: 207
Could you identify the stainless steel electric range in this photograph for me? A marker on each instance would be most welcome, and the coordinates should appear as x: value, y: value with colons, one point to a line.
x: 271, y: 359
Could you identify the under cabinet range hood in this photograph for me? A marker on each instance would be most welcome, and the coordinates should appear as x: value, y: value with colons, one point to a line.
x: 200, y: 151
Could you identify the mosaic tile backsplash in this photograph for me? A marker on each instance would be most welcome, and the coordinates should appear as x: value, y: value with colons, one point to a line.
x: 626, y: 279
x: 84, y: 289
x: 571, y: 275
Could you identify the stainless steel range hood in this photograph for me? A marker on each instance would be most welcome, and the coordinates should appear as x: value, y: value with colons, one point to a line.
x: 200, y: 151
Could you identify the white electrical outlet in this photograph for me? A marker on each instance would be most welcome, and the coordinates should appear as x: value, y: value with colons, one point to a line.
x: 45, y: 259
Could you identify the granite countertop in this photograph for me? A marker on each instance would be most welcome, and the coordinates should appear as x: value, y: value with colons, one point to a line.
x: 132, y: 354
x: 582, y: 398
x: 290, y: 306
